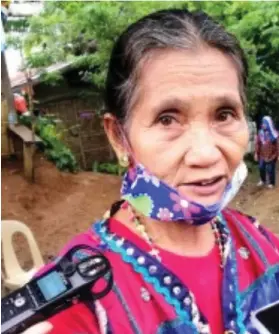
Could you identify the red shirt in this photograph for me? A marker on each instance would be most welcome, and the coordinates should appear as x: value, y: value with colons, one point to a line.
x: 20, y: 104
x: 203, y: 276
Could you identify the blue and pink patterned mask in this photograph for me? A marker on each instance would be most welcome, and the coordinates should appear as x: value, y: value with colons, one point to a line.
x: 157, y: 200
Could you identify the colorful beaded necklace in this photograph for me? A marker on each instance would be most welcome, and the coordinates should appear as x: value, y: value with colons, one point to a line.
x: 136, y: 218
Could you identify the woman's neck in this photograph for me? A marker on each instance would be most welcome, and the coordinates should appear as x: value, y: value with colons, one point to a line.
x: 175, y: 237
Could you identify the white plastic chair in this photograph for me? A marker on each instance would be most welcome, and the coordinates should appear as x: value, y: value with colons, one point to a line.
x: 15, y: 276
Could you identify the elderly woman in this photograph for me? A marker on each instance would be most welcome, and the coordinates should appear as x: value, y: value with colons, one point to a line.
x: 267, y: 152
x: 182, y: 262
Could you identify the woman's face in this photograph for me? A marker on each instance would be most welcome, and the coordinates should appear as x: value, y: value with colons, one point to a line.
x: 187, y: 125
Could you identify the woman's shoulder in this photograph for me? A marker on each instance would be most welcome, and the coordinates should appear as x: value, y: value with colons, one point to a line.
x: 86, y: 238
x: 250, y: 223
x: 255, y: 234
x: 236, y: 215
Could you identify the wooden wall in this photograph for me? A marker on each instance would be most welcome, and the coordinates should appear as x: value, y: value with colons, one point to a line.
x: 82, y: 129
x: 76, y: 104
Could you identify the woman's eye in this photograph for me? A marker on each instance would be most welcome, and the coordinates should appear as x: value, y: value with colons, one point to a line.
x: 166, y: 120
x: 225, y: 115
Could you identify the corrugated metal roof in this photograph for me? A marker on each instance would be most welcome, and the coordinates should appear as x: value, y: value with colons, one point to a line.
x: 19, y: 79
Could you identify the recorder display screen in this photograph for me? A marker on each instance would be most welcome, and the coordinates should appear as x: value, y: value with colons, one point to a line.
x: 51, y: 285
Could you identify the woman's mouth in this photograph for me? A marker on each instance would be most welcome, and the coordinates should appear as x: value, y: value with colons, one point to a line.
x: 207, y: 187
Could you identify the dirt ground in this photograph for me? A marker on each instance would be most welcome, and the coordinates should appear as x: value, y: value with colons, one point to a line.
x: 59, y: 205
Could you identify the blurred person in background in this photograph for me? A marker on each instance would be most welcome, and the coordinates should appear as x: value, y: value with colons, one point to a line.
x: 267, y: 152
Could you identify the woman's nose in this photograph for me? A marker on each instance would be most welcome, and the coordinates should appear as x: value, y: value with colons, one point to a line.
x: 203, y: 149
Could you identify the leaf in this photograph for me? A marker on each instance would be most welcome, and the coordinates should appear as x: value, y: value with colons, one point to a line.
x: 142, y: 203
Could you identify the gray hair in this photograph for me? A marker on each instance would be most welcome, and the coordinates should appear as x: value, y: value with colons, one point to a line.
x: 166, y: 29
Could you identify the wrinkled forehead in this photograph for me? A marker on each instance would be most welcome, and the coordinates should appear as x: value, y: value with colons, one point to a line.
x: 180, y: 74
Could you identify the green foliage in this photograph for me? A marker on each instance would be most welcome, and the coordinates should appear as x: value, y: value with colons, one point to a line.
x: 53, y: 147
x: 256, y: 25
x: 14, y: 41
x: 85, y: 31
x: 108, y: 168
x: 251, y: 164
x: 51, y: 78
x: 253, y: 167
x: 18, y: 25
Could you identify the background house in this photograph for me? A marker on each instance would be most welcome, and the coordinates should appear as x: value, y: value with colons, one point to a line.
x: 77, y: 105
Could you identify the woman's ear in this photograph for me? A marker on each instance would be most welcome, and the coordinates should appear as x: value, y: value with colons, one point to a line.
x: 114, y: 135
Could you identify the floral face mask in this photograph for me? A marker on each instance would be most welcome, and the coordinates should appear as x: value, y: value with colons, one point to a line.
x: 157, y: 200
